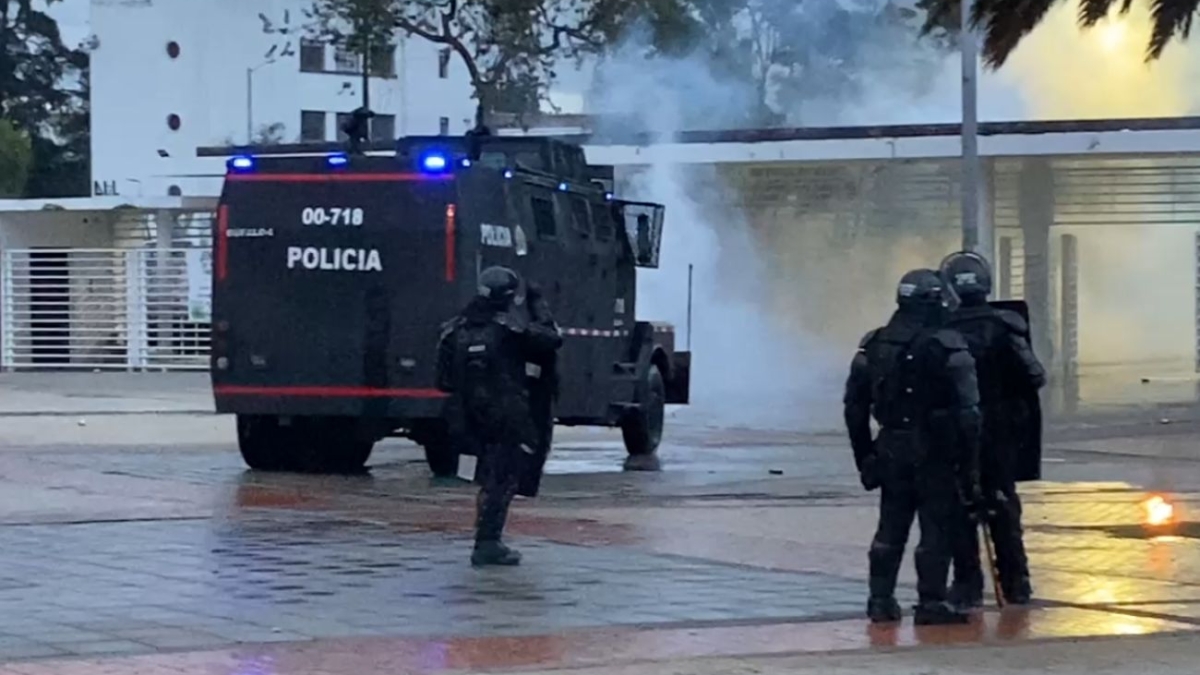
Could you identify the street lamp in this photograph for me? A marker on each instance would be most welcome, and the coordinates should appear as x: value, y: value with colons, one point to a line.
x: 250, y: 99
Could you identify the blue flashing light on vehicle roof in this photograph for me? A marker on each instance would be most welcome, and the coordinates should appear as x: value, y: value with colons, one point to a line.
x: 508, y: 173
x: 338, y: 160
x: 562, y: 186
x: 466, y: 163
x: 433, y: 162
x: 240, y: 163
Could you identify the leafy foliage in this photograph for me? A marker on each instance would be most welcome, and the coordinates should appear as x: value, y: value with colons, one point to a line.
x: 270, y: 134
x: 798, y: 52
x: 1006, y: 23
x: 16, y: 153
x: 788, y: 52
x: 510, y: 48
x: 44, y: 92
x: 360, y: 26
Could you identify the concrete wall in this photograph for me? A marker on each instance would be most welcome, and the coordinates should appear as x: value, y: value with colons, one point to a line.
x: 55, y: 229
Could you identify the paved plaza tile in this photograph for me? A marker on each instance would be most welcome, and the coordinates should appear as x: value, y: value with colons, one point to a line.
x: 609, y: 647
x: 174, y: 559
x: 140, y: 586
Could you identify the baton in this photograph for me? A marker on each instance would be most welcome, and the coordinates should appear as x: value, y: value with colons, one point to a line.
x: 990, y: 548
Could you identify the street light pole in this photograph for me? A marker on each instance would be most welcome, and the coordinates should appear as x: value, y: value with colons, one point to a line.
x: 250, y: 99
x: 976, y: 235
x: 249, y: 106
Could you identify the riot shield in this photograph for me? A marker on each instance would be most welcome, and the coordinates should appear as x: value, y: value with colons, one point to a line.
x: 1027, y: 455
x: 529, y: 480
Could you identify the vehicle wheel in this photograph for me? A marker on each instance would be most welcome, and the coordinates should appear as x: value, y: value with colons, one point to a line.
x: 642, y: 429
x: 440, y: 453
x: 263, y: 443
x: 331, y: 445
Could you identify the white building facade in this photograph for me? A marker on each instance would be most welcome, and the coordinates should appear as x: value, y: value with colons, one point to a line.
x: 169, y: 76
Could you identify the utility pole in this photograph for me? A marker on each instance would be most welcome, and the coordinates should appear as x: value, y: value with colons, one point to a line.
x: 250, y: 99
x: 366, y: 66
x: 977, y: 236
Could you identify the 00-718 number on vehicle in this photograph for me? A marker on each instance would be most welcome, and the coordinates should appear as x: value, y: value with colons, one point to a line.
x: 318, y: 215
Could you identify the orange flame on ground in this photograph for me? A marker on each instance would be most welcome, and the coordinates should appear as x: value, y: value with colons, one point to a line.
x: 1159, y: 511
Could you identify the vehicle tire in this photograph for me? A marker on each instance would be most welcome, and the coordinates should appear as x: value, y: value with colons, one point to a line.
x: 440, y: 453
x: 263, y: 443
x: 330, y: 445
x: 642, y: 429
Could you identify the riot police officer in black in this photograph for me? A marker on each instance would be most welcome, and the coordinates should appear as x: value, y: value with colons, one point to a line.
x: 1008, y: 373
x: 482, y: 357
x: 918, y: 380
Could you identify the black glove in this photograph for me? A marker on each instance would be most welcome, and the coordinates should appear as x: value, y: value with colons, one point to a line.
x: 868, y: 473
x: 971, y: 497
x: 539, y: 308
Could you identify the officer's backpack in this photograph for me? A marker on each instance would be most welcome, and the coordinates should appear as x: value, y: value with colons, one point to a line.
x: 478, y: 362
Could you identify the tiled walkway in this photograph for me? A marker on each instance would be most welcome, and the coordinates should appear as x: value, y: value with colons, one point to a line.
x: 203, y: 569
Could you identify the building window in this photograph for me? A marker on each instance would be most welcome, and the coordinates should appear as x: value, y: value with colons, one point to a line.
x: 383, y: 128
x: 602, y: 220
x: 312, y: 56
x: 444, y: 126
x: 543, y: 217
x: 444, y: 63
x: 383, y: 61
x: 342, y: 120
x: 312, y: 126
x: 579, y: 211
x: 346, y: 61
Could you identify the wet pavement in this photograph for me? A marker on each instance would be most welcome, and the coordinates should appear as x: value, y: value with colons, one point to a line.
x: 141, y: 545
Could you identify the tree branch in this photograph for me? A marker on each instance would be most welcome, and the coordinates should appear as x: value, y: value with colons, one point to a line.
x: 423, y: 33
x: 448, y: 38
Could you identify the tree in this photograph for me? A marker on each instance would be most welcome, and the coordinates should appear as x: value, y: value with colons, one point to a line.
x: 800, y: 55
x: 62, y: 157
x: 269, y: 134
x: 510, y: 48
x: 364, y: 27
x: 15, y: 156
x: 1006, y: 23
x: 44, y: 92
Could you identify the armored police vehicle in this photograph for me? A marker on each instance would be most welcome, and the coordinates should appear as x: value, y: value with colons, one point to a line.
x: 333, y: 273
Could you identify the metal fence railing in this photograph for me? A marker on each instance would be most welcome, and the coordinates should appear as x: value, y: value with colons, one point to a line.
x: 128, y: 309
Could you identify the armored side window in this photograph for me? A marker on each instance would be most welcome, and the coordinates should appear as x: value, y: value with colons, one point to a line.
x: 543, y: 217
x: 580, y: 215
x: 602, y: 221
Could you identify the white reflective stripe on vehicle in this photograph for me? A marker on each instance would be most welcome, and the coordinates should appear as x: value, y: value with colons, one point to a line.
x: 592, y: 332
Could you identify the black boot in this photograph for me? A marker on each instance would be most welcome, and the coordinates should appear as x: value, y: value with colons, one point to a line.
x: 883, y: 610
x: 938, y: 614
x: 1020, y: 593
x: 494, y: 553
x: 964, y: 598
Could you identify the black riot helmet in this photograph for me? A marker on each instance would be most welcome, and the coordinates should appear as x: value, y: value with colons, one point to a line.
x: 498, y: 286
x: 969, y: 274
x: 921, y: 288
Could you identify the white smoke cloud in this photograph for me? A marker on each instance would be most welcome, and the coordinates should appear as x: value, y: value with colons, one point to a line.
x: 748, y: 368
x: 775, y: 316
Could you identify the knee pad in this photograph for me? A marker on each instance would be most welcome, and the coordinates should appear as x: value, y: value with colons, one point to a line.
x: 882, y: 551
x: 926, y: 551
